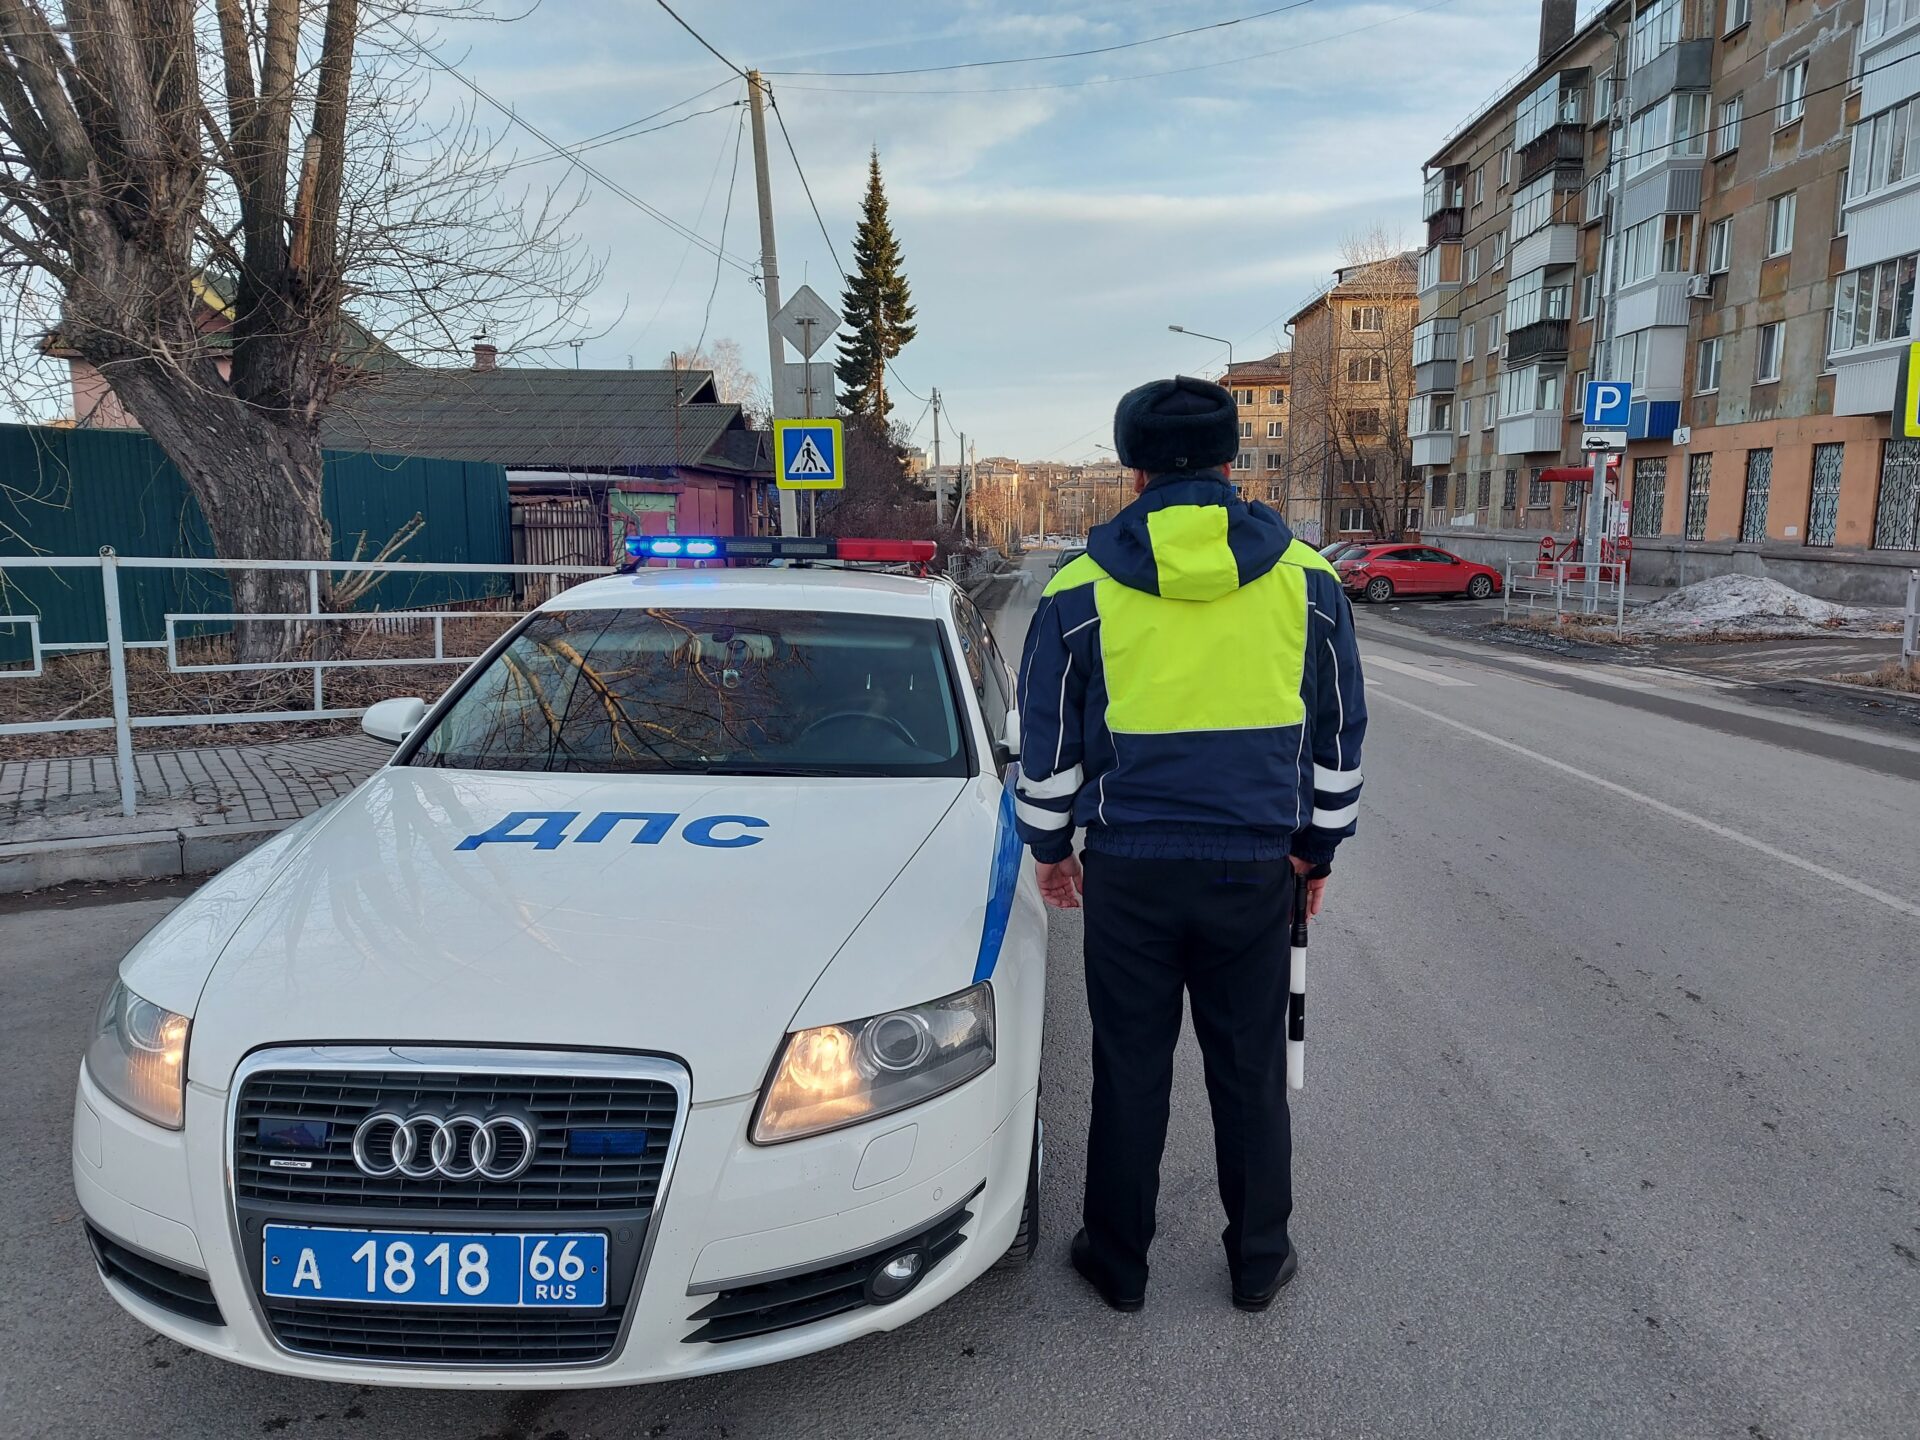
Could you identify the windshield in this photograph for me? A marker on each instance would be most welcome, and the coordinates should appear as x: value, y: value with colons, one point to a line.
x: 713, y: 692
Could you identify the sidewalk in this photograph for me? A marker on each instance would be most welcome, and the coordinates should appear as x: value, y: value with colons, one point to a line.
x: 198, y: 810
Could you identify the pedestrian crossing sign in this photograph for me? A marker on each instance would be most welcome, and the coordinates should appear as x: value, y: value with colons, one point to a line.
x: 810, y: 454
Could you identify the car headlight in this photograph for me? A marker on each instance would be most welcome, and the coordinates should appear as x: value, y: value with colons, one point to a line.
x: 138, y: 1055
x: 835, y: 1075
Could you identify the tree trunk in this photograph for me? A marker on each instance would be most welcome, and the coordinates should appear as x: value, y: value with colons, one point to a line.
x: 257, y: 476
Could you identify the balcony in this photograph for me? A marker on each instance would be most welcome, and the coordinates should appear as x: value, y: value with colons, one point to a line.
x: 1546, y: 248
x: 1532, y: 434
x: 1564, y: 147
x: 1543, y: 338
x: 1434, y: 449
x: 1444, y: 191
x: 1447, y: 225
x: 1685, y: 66
x: 1434, y: 376
x: 1653, y: 419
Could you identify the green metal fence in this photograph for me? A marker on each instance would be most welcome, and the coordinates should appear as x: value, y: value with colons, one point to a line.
x: 69, y: 492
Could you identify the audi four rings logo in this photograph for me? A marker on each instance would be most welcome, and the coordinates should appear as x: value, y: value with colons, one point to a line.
x: 444, y: 1147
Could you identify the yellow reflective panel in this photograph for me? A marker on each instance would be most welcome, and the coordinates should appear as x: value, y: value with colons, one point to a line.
x: 1232, y: 664
x: 1081, y: 570
x: 1190, y: 552
x: 1302, y: 554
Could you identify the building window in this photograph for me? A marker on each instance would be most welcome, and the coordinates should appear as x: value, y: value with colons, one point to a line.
x: 1466, y: 416
x: 1439, y: 414
x: 1603, y: 97
x: 1677, y: 125
x: 1539, y: 493
x: 1707, y: 374
x: 1840, y: 203
x: 1487, y: 415
x: 1493, y: 334
x: 1363, y: 422
x: 1276, y: 397
x: 1886, y: 16
x: 1766, y: 354
x: 1726, y: 134
x: 1874, y: 304
x: 1531, y: 300
x: 1739, y: 12
x: 1886, y: 149
x: 1780, y: 213
x: 1371, y: 318
x: 1243, y: 397
x: 1273, y: 429
x: 1589, y: 295
x: 1649, y: 496
x: 1467, y: 341
x: 1242, y: 461
x: 1510, y: 492
x: 1699, y: 482
x: 1473, y: 264
x: 1485, y: 497
x: 1364, y: 369
x: 1479, y: 186
x: 1896, y: 526
x: 1413, y: 517
x: 1655, y: 31
x: 1353, y: 519
x: 1823, y: 505
x: 1528, y: 389
x: 1439, y: 492
x: 1274, y: 461
x: 1499, y: 249
x: 1533, y: 205
x: 1460, y: 491
x: 1753, y: 505
x: 1793, y: 93
x: 1246, y: 429
x: 1506, y: 166
x: 1720, y: 246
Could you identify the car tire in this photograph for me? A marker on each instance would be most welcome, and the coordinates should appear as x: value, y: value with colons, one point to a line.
x: 1379, y: 590
x: 1026, y: 1240
x: 1479, y: 587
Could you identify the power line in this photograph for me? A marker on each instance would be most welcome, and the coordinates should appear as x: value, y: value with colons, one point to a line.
x: 1041, y: 59
x: 1123, y: 79
x: 624, y: 132
x: 739, y: 130
x: 686, y: 251
x: 702, y: 39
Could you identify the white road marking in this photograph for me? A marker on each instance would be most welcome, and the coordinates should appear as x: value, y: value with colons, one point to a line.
x: 1712, y: 827
x: 1400, y: 667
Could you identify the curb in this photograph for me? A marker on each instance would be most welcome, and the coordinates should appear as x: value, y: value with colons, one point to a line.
x: 137, y: 855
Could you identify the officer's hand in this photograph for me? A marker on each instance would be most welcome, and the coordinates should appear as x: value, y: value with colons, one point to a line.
x: 1316, y: 886
x: 1060, y: 883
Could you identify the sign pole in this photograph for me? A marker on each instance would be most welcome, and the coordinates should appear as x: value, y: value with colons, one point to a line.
x: 1596, y: 508
x: 769, y: 265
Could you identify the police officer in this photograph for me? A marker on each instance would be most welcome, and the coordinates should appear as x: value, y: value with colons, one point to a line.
x: 1191, y: 696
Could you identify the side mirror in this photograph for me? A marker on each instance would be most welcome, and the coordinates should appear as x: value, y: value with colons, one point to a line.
x: 393, y: 720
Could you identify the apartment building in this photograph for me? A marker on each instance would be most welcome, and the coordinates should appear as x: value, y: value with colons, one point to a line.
x: 1670, y: 197
x: 1260, y: 389
x: 1348, y: 463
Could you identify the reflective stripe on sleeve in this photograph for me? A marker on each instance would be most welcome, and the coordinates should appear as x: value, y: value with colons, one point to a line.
x: 1042, y: 819
x: 1336, y: 819
x: 1054, y: 787
x: 1334, y: 782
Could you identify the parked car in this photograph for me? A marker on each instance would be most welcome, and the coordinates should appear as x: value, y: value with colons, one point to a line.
x: 1341, y: 550
x: 1381, y: 572
x: 1067, y: 557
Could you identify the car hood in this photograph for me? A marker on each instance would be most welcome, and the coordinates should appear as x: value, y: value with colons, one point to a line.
x: 687, y: 917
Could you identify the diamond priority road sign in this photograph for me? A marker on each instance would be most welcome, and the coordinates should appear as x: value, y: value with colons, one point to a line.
x: 806, y: 321
x: 810, y: 453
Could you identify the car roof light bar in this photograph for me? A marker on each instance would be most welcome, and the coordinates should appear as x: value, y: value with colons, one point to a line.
x: 769, y: 548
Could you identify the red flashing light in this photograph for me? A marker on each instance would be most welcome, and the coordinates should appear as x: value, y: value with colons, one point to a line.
x: 895, y: 552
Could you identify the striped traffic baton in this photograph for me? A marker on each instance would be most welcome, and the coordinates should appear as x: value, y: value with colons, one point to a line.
x: 1297, y: 991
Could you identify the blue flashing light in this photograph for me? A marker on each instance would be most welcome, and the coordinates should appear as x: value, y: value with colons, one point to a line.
x: 702, y: 548
x: 607, y: 1144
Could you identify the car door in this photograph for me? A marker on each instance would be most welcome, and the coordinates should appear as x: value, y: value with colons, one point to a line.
x: 1449, y: 572
x: 1399, y: 566
x: 1432, y: 570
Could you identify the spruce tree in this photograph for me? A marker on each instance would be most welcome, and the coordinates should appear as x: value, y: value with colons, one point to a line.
x: 877, y: 307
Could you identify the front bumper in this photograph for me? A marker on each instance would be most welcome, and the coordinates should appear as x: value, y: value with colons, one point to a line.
x: 729, y: 1215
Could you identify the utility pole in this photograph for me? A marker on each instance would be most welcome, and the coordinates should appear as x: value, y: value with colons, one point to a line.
x: 939, y: 480
x: 770, y: 274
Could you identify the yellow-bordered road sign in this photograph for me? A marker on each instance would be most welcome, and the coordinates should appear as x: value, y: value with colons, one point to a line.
x: 1906, y: 419
x: 811, y: 454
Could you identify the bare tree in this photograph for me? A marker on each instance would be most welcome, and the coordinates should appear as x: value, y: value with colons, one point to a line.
x: 735, y: 382
x: 1352, y: 381
x: 150, y: 179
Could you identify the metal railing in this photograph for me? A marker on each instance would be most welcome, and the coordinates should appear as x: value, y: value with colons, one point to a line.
x: 1910, y: 626
x: 123, y: 722
x: 1563, y: 588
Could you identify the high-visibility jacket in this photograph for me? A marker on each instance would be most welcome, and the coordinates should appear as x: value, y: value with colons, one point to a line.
x: 1190, y: 689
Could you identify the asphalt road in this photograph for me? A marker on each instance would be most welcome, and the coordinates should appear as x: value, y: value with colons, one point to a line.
x: 1609, y: 1129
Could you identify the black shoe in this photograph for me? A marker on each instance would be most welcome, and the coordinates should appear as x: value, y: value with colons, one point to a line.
x: 1081, y: 1253
x: 1256, y: 1303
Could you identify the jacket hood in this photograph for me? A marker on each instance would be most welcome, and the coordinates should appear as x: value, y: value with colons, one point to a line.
x: 1189, y: 538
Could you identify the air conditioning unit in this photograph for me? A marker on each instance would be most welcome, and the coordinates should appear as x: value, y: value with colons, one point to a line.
x: 1699, y: 287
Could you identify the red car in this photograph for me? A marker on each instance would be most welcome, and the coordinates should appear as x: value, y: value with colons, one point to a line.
x: 1381, y: 572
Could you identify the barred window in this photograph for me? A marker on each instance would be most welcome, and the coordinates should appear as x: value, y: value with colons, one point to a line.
x: 1510, y: 496
x: 1649, y: 496
x: 1897, y: 525
x: 1753, y: 505
x: 1538, y: 491
x: 1485, y: 497
x: 1823, y: 507
x: 1699, y: 482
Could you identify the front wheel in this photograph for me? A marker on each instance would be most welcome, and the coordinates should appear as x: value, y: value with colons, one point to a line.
x: 1480, y: 587
x: 1026, y: 1240
x: 1379, y: 590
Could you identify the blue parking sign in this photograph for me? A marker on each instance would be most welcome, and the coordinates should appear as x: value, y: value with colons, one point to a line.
x: 1608, y: 403
x: 810, y: 452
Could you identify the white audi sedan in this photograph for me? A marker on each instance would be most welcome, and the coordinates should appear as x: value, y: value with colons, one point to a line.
x: 671, y: 1003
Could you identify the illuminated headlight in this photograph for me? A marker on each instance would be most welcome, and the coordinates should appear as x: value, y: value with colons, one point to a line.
x: 138, y: 1055
x: 835, y: 1075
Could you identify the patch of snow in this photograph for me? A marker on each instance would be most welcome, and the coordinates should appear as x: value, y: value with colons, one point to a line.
x: 1746, y: 603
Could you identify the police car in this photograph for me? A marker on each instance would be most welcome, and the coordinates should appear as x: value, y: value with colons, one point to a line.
x: 671, y: 1003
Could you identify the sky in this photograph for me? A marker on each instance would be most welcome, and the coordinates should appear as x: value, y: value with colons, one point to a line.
x: 1050, y: 235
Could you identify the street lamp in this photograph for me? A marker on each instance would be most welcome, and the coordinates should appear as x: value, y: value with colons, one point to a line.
x: 1198, y: 335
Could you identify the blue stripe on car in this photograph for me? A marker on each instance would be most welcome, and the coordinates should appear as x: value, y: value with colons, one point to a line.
x: 1002, y: 882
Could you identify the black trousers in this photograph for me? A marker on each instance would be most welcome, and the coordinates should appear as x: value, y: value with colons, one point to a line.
x: 1220, y: 931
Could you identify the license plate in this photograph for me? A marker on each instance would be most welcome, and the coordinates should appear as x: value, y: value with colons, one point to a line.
x: 414, y: 1267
